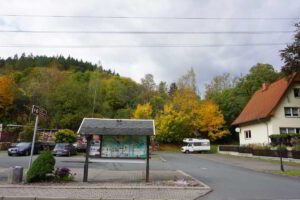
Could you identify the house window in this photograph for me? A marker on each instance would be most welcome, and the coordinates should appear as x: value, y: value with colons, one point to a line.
x: 297, y: 92
x: 247, y: 134
x: 291, y: 111
x: 289, y: 130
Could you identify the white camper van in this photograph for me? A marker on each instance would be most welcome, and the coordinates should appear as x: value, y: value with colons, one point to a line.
x: 195, y: 145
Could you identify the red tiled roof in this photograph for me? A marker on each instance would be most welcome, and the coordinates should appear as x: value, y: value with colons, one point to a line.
x: 263, y: 102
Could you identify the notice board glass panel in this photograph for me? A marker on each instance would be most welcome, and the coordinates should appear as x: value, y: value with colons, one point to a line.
x: 124, y: 146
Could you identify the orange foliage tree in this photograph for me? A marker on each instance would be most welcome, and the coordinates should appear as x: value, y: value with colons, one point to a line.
x: 6, y: 92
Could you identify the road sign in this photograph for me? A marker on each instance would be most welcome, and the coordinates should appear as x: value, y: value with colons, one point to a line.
x: 36, y: 110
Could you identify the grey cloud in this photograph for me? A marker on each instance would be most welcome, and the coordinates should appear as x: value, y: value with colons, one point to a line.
x: 166, y: 64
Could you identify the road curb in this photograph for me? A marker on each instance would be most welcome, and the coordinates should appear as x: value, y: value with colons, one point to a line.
x: 106, y: 187
x: 201, y: 183
x: 63, y: 198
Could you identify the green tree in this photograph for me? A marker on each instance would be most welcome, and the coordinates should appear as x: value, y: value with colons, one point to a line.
x: 258, y: 74
x: 65, y: 136
x: 291, y: 54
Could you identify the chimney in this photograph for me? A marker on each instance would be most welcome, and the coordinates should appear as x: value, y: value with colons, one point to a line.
x: 265, y: 86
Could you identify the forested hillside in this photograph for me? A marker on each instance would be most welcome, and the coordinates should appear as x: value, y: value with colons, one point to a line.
x: 70, y: 90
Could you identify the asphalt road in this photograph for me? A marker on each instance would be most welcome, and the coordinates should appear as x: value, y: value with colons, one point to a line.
x: 227, y: 181
x: 230, y: 182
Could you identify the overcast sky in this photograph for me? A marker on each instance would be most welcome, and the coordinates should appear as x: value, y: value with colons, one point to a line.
x: 166, y: 64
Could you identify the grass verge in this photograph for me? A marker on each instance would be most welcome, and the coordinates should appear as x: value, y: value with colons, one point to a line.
x: 295, y: 173
x: 291, y: 163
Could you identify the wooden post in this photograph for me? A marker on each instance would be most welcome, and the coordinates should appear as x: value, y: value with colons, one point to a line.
x: 87, y: 154
x: 147, y: 162
x: 101, y: 142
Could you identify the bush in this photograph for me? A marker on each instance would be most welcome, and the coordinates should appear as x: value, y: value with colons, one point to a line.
x: 283, y: 147
x: 261, y: 147
x: 296, y: 147
x: 65, y: 136
x: 26, y: 134
x: 41, y: 167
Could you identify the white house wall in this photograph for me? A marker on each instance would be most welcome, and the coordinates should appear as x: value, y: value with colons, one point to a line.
x: 259, y: 133
x: 279, y: 119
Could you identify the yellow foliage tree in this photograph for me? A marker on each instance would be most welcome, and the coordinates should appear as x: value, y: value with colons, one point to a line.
x: 187, y: 116
x: 6, y: 91
x: 211, y: 121
x: 143, y: 111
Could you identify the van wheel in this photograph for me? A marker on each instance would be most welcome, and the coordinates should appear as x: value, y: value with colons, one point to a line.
x: 187, y: 152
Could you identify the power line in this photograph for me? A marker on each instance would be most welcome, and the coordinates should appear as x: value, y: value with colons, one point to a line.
x: 151, y: 17
x: 139, y: 46
x: 147, y: 32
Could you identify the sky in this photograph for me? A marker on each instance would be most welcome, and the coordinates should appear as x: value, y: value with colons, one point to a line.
x: 165, y: 63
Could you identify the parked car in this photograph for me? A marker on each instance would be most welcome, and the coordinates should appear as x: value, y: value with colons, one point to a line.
x: 80, y: 146
x: 64, y: 149
x: 195, y: 145
x: 23, y: 149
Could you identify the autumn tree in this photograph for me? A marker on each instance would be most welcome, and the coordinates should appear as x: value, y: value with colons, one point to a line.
x: 211, y: 121
x: 291, y: 54
x: 6, y: 92
x: 143, y: 111
x: 187, y: 116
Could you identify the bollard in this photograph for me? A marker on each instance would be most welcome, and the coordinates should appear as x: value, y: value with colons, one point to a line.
x: 15, y: 175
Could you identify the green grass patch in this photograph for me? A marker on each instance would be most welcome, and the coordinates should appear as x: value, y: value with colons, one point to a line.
x: 214, y: 148
x: 170, y: 147
x: 289, y: 173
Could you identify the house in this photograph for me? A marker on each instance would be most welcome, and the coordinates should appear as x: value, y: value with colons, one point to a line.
x: 274, y: 109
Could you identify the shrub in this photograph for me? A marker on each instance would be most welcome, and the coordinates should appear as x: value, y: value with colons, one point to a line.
x: 65, y: 136
x: 296, y: 147
x: 283, y: 147
x: 41, y: 167
x: 260, y: 147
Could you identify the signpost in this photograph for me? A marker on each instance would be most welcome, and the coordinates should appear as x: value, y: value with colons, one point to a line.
x: 37, y: 111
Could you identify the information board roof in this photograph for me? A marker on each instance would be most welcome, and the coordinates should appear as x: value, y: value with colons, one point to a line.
x: 98, y: 126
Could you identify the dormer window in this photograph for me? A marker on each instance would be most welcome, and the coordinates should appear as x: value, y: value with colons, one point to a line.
x: 291, y: 111
x: 297, y: 92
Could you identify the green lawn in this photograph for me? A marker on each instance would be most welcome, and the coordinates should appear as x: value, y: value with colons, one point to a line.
x: 289, y: 173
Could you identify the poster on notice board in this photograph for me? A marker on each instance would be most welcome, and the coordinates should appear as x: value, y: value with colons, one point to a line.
x: 124, y: 146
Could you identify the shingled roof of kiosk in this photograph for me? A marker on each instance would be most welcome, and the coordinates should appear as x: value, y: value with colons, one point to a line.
x: 97, y: 126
